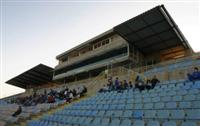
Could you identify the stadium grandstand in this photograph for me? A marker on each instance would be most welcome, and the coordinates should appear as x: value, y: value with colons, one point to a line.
x: 142, y: 72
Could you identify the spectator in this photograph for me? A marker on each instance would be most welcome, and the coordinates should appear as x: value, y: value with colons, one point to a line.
x: 130, y: 84
x: 195, y: 75
x: 125, y: 84
x: 140, y: 86
x: 110, y: 83
x: 104, y: 89
x: 117, y: 86
x: 121, y: 85
x: 65, y: 92
x: 78, y: 92
x: 84, y: 89
x: 52, y: 92
x: 140, y: 78
x: 154, y: 81
x: 45, y: 92
x: 69, y: 96
x: 74, y: 92
x: 51, y: 99
x: 19, y: 110
x: 148, y: 85
x: 139, y: 82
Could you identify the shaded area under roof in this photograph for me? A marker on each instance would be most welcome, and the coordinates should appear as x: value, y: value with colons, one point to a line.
x: 152, y: 31
x: 37, y: 75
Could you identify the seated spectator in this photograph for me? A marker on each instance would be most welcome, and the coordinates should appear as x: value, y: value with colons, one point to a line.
x: 130, y: 84
x: 148, y: 85
x: 65, y: 92
x: 45, y: 92
x: 195, y: 75
x: 43, y: 98
x: 140, y: 86
x: 70, y: 96
x: 154, y: 81
x: 78, y: 92
x: 84, y: 89
x: 139, y: 82
x: 104, y: 89
x: 117, y: 86
x: 74, y: 92
x: 52, y: 92
x: 125, y: 84
x: 51, y: 99
x: 110, y: 83
x: 140, y: 78
x: 19, y: 110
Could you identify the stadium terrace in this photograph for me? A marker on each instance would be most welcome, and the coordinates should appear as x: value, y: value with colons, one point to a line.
x: 142, y: 72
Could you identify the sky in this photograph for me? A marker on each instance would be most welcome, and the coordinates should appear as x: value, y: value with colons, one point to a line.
x: 36, y: 31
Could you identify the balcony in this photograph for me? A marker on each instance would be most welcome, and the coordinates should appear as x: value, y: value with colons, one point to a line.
x: 93, y: 53
x: 92, y: 66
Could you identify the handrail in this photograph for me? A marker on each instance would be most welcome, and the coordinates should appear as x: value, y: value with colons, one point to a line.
x: 92, y: 65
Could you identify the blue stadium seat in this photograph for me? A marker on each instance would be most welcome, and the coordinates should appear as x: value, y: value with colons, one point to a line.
x: 96, y: 121
x: 138, y: 114
x: 129, y: 106
x: 189, y: 123
x: 193, y: 114
x: 163, y: 114
x: 185, y: 104
x: 196, y: 104
x: 159, y: 105
x: 171, y: 105
x: 139, y: 123
x: 126, y: 122
x: 104, y: 122
x: 127, y: 113
x: 189, y: 97
x: 148, y: 106
x: 115, y: 122
x: 196, y: 85
x: 118, y: 113
x: 150, y: 114
x: 177, y: 98
x: 169, y: 123
x: 177, y: 114
x: 153, y: 123
x: 138, y: 106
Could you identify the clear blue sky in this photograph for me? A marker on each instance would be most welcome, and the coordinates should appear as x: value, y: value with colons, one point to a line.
x: 34, y: 32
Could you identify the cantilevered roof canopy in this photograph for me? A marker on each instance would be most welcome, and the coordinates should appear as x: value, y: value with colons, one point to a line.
x: 37, y: 75
x: 152, y: 31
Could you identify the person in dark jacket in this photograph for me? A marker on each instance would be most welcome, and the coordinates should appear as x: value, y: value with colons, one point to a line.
x: 195, y: 75
x: 148, y: 85
x: 125, y: 84
x: 154, y: 81
x: 117, y: 84
x: 130, y: 84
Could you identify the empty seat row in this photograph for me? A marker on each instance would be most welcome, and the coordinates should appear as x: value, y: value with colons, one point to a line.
x: 144, y: 95
x: 158, y: 114
x: 87, y: 121
x: 151, y: 105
